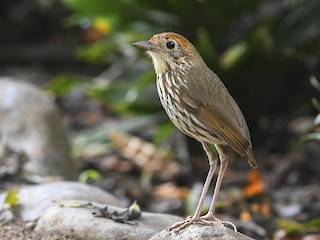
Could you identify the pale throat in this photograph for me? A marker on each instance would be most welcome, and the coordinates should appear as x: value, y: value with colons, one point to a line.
x: 159, y: 65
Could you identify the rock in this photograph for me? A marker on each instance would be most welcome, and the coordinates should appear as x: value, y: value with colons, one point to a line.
x: 30, y: 125
x: 202, y: 232
x: 81, y: 223
x: 34, y: 200
x: 6, y: 214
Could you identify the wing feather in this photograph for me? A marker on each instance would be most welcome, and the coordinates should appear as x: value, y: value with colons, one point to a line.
x: 213, y: 105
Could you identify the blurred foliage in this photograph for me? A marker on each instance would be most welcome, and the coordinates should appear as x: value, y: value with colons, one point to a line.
x: 291, y: 226
x: 315, y: 135
x: 95, y: 141
x: 139, y: 97
x: 62, y: 84
x: 284, y: 26
x: 261, y: 50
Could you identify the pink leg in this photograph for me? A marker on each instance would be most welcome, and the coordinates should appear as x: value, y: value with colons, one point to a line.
x: 196, y: 217
x: 209, y: 217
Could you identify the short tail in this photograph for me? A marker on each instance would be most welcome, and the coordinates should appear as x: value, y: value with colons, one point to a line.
x: 251, y: 159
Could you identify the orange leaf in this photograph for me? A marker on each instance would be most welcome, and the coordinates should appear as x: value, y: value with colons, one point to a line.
x: 245, y: 215
x: 255, y: 185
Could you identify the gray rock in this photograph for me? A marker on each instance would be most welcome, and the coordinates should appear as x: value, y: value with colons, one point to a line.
x: 81, y: 223
x: 34, y: 200
x: 6, y: 214
x: 202, y: 232
x: 30, y: 124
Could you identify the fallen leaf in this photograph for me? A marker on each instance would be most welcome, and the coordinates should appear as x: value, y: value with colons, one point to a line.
x: 255, y: 186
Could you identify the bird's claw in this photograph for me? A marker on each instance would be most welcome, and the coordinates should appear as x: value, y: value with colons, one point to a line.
x: 182, y: 225
x: 206, y: 220
x: 211, y: 220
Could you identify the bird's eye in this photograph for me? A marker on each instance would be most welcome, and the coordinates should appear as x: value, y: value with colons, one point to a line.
x: 171, y: 45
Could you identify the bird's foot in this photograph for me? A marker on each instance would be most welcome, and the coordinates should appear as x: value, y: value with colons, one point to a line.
x: 209, y: 219
x: 176, y: 227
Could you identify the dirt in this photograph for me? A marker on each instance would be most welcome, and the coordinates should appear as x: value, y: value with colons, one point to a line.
x: 18, y: 230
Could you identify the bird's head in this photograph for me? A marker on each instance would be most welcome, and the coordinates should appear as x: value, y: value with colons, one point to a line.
x: 170, y: 51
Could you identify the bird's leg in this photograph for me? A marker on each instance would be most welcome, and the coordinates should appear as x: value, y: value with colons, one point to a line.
x: 209, y: 217
x: 212, y: 168
x: 196, y: 217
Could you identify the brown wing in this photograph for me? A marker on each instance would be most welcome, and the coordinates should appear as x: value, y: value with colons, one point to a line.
x: 216, y: 108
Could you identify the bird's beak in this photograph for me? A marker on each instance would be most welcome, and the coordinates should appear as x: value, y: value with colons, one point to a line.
x: 146, y: 45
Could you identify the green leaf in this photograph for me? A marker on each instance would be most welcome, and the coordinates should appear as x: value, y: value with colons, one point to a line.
x: 96, y: 52
x: 92, y: 7
x: 140, y: 98
x: 61, y: 84
x: 164, y: 130
x: 311, y: 136
x: 12, y: 198
x: 315, y: 83
x: 233, y: 54
x: 291, y: 226
x: 89, y: 175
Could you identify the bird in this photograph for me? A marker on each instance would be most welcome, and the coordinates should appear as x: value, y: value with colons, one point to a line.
x: 198, y: 103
